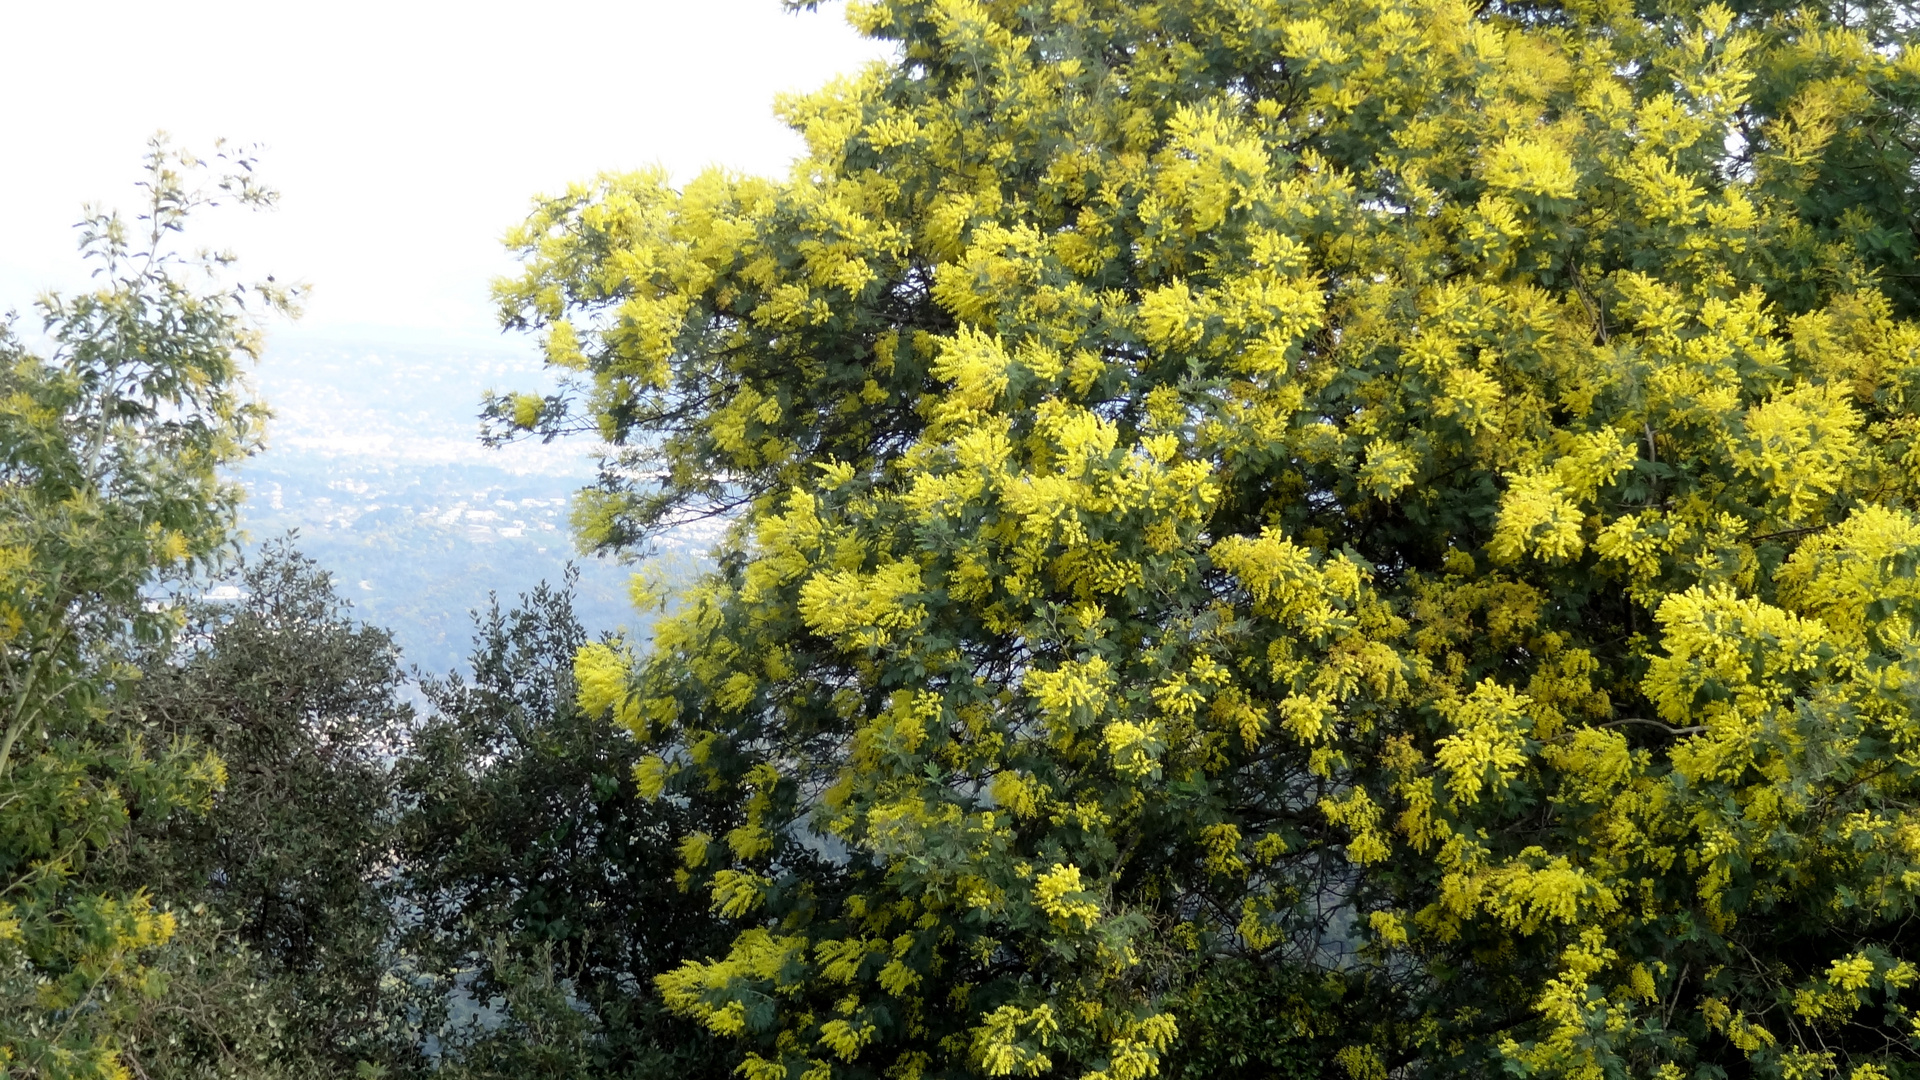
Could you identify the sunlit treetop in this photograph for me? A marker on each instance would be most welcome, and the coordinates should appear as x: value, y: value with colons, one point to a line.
x: 1411, y: 494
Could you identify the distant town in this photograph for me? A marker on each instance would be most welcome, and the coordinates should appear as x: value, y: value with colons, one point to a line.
x: 373, y: 458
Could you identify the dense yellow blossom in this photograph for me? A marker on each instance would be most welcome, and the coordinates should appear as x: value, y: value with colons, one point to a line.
x: 1418, y: 497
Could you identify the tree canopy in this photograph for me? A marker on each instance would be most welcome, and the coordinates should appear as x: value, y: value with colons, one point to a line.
x: 1411, y: 502
x: 114, y: 427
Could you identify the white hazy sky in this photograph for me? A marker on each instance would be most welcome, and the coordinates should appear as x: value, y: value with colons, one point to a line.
x: 404, y: 135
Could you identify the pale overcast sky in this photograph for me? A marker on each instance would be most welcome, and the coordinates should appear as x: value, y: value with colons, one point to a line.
x: 404, y: 135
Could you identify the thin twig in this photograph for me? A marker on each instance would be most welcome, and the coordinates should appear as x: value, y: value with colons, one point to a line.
x: 1664, y: 728
x: 1784, y: 533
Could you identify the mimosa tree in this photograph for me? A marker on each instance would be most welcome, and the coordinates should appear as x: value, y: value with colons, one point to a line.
x: 1419, y: 498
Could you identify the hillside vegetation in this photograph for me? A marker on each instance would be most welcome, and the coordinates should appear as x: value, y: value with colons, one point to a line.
x: 1369, y: 538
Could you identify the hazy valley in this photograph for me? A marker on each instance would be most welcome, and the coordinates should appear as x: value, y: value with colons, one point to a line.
x: 373, y: 457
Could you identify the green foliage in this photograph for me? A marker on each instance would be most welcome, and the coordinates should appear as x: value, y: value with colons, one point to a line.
x: 283, y: 873
x: 220, y: 1016
x: 539, y: 1029
x: 534, y: 877
x: 1241, y: 1020
x: 370, y: 892
x: 1407, y: 491
x: 110, y: 449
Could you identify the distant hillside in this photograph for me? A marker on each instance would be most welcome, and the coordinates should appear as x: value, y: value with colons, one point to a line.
x: 373, y: 457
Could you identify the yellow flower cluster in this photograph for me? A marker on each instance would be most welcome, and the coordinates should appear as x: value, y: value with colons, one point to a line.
x: 1381, y: 486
